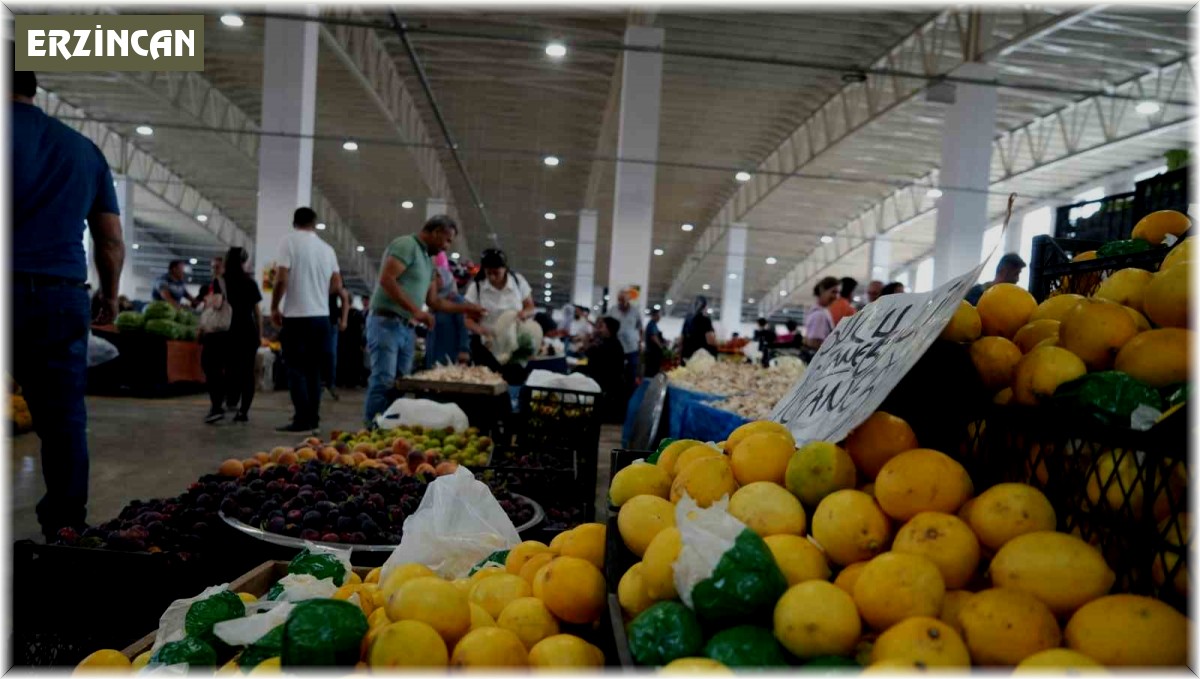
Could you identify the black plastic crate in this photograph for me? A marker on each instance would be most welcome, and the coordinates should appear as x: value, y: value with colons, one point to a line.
x: 618, y: 559
x: 1167, y: 191
x: 1052, y: 272
x: 559, y: 416
x: 1111, y: 219
x: 1123, y: 491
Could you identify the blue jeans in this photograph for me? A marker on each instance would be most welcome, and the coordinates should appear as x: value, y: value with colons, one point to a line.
x: 49, y: 361
x: 305, y: 351
x: 391, y: 343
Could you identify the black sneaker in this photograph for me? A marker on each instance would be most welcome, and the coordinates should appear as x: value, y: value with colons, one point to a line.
x: 214, y: 416
x: 241, y: 417
x: 293, y: 427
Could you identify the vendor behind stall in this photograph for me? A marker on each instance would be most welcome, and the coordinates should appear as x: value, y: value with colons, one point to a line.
x: 698, y: 332
x: 497, y: 290
x: 605, y: 364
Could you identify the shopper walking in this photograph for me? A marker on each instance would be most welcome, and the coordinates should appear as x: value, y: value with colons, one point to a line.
x: 59, y: 179
x: 874, y: 288
x: 218, y: 269
x: 630, y: 317
x: 339, y: 319
x: 655, y: 344
x: 306, y: 272
x: 405, y: 281
x: 229, y: 371
x: 818, y: 320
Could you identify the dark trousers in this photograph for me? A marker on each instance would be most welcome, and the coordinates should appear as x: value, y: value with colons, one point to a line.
x: 306, y: 352
x: 49, y: 361
x: 329, y: 371
x: 228, y: 362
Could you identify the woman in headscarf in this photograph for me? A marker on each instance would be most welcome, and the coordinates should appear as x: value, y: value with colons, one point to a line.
x: 698, y: 330
x: 449, y: 341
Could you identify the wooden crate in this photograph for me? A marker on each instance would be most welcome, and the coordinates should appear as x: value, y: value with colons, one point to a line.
x: 257, y: 581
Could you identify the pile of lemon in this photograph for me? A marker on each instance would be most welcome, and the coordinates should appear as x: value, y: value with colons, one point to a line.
x: 1135, y: 322
x: 890, y: 557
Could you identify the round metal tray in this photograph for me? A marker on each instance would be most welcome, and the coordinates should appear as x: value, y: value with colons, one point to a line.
x: 539, y: 515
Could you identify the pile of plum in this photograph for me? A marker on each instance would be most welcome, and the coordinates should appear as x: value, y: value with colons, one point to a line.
x: 310, y: 500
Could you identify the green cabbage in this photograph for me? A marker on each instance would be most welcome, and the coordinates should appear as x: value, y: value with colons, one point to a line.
x: 130, y: 321
x: 159, y: 310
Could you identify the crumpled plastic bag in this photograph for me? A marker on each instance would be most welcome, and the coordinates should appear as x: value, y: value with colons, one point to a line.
x: 458, y: 523
x: 423, y: 412
x: 100, y: 351
x: 247, y: 630
x: 171, y: 624
x: 552, y: 380
x: 302, y: 586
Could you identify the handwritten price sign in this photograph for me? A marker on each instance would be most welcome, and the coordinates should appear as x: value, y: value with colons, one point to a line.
x: 865, y: 358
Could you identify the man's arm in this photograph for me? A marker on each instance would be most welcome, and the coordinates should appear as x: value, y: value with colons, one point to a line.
x: 281, y: 281
x: 473, y: 312
x: 391, y: 287
x: 109, y: 254
x: 167, y: 297
x: 336, y: 287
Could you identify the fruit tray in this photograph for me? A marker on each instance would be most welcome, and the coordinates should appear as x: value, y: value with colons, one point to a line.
x: 257, y: 581
x: 294, y: 542
x: 1123, y: 491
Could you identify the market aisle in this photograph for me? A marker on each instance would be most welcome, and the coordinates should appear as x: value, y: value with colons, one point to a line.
x: 147, y: 448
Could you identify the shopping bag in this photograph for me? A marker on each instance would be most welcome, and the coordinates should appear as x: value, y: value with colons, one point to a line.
x: 406, y: 412
x: 100, y: 351
x: 458, y: 523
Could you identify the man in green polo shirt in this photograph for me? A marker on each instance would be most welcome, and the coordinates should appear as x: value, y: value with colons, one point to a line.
x: 405, y: 281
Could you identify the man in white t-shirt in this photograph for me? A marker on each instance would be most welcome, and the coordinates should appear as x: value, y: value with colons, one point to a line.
x: 306, y: 273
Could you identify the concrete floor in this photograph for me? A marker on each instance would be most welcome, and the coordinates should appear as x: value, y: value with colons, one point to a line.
x: 147, y: 448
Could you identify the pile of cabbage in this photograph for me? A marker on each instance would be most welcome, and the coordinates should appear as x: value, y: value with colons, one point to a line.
x: 160, y: 318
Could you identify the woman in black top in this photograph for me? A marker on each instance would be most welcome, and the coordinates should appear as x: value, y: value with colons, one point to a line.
x: 231, y: 369
x: 698, y: 330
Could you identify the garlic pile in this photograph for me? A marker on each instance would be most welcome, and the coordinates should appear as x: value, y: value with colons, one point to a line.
x: 463, y: 374
x: 752, y: 390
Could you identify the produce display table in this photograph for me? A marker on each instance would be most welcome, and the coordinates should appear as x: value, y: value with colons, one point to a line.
x: 148, y: 365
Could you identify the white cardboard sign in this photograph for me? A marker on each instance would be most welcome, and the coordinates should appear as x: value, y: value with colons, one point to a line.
x: 865, y: 358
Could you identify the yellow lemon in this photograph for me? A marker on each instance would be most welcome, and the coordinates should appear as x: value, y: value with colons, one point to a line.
x: 640, y: 478
x: 1004, y: 626
x: 922, y: 480
x: 895, y: 586
x: 529, y: 619
x: 1061, y: 570
x: 247, y: 597
x: 878, y: 439
x: 586, y: 542
x: 557, y: 542
x: 1041, y: 371
x: 694, y: 666
x: 850, y: 527
x: 480, y: 617
x: 574, y: 590
x: 768, y: 509
x: 408, y: 643
x: 952, y: 606
x: 373, y: 574
x: 563, y: 651
x: 1056, y: 308
x: 848, y: 576
x: 534, y: 564
x: 104, y: 660
x: 1182, y: 252
x: 1126, y: 630
x: 268, y: 666
x: 705, y: 480
x: 670, y: 454
x: 494, y: 593
x: 799, y: 559
x: 1034, y: 333
x: 818, y: 469
x: 995, y: 359
x: 756, y: 427
x: 1096, y: 332
x: 490, y: 647
x: 922, y: 641
x: 517, y: 556
x: 1127, y: 287
x: 641, y: 519
x: 817, y: 618
x: 1007, y: 510
x: 944, y: 539
x: 1167, y: 297
x: 434, y: 602
x: 964, y: 326
x: 1004, y: 308
x: 1057, y: 661
x: 762, y: 457
x: 658, y: 564
x: 687, y: 457
x: 631, y: 592
x: 1157, y: 357
x: 402, y: 574
x: 1154, y: 227
x: 142, y: 660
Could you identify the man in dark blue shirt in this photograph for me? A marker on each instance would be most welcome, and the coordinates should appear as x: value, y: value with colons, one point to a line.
x: 172, y: 286
x: 60, y: 184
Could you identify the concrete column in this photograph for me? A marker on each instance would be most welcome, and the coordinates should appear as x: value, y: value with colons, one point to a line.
x: 637, y: 138
x: 289, y: 98
x: 879, y: 261
x: 583, y: 289
x: 966, y: 161
x: 735, y: 273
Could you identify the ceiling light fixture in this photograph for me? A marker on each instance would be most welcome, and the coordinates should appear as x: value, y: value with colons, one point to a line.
x: 670, y: 302
x: 202, y: 218
x: 658, y: 252
x: 750, y: 300
x: 783, y: 293
x: 551, y: 216
x: 556, y: 50
x: 733, y: 277
x: 145, y: 130
x: 454, y: 255
x: 607, y: 298
x: 320, y: 226
x: 827, y: 239
x: 548, y: 275
x: 1148, y: 108
x: 658, y: 307
x: 350, y: 145
x: 549, y: 243
x: 706, y: 286
x: 137, y: 246
x: 772, y: 260
x: 934, y: 193
x: 361, y: 248
x: 407, y: 205
x: 548, y: 286
x: 193, y: 260
x: 687, y: 227
x: 551, y: 161
x: 742, y: 176
x: 549, y: 262
x: 232, y: 20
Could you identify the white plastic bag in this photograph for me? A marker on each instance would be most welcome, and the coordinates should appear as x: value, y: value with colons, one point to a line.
x: 552, y: 380
x: 100, y: 351
x: 706, y: 535
x: 302, y: 586
x: 458, y: 523
x: 265, y: 367
x: 428, y: 414
x: 170, y: 625
x: 247, y: 630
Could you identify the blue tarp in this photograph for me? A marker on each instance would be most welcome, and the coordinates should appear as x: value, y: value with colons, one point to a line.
x: 689, y: 415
